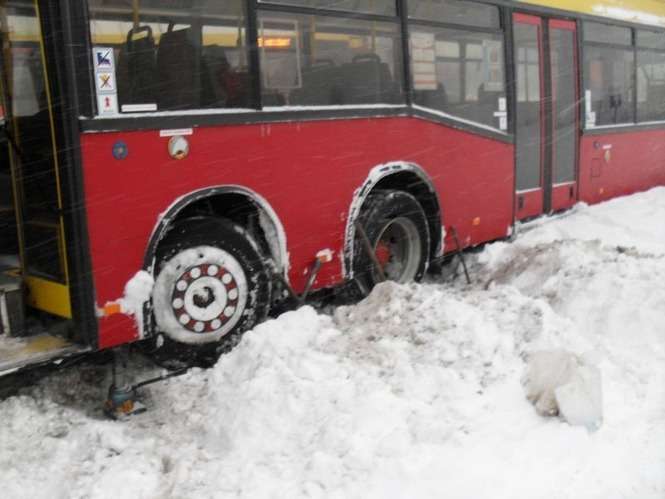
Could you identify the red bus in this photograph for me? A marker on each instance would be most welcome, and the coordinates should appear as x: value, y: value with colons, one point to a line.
x: 170, y: 169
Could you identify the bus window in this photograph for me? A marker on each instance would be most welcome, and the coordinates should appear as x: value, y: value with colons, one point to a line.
x: 458, y: 72
x: 609, y: 65
x: 174, y: 57
x: 528, y: 124
x: 650, y: 76
x: 382, y: 7
x: 602, y: 33
x: 318, y: 61
x: 455, y: 12
x: 528, y: 72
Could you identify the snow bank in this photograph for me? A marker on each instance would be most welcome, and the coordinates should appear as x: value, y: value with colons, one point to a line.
x: 414, y: 392
x: 557, y: 382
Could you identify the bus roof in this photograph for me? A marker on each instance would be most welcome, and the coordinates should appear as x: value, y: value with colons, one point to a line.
x: 651, y: 12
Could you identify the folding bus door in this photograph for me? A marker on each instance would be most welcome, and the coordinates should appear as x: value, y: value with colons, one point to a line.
x: 546, y: 115
x: 32, y: 157
x: 564, y: 113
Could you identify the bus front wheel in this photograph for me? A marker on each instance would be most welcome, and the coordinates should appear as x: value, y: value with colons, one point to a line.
x: 212, y: 284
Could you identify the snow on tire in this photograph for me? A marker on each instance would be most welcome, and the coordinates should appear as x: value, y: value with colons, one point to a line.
x: 212, y: 282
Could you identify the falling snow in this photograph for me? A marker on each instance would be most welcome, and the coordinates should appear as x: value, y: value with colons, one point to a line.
x: 415, y: 392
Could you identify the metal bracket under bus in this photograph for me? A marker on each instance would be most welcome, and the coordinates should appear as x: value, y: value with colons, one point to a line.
x: 323, y: 256
x: 460, y: 255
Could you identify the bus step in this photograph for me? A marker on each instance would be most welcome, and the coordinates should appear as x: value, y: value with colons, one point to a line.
x: 12, y: 309
x: 19, y: 352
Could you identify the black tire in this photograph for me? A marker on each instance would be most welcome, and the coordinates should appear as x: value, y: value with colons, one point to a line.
x: 212, y: 283
x: 401, y: 214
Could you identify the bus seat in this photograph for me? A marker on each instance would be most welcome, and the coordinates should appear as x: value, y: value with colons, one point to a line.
x: 318, y: 85
x: 488, y: 103
x: 212, y: 91
x: 236, y: 85
x: 136, y: 67
x: 273, y: 99
x: 177, y: 71
x: 221, y: 84
x: 432, y: 99
x: 367, y: 80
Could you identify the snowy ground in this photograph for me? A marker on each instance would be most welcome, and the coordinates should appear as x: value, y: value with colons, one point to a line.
x: 413, y: 393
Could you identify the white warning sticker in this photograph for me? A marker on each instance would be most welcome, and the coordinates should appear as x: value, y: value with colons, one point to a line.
x: 106, y: 82
x: 103, y: 58
x: 107, y: 104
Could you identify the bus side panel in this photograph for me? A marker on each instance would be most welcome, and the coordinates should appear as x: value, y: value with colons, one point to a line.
x: 620, y: 163
x: 307, y: 171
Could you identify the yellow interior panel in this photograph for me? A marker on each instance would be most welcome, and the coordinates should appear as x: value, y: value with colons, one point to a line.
x: 49, y: 296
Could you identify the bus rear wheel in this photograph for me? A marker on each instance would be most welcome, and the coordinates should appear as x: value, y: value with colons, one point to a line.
x: 396, y: 227
x: 212, y: 284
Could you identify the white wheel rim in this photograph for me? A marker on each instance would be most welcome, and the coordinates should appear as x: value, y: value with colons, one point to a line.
x: 200, y: 295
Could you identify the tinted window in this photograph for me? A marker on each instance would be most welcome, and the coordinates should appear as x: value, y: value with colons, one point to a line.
x: 385, y: 7
x: 458, y: 72
x: 312, y: 60
x: 650, y: 85
x: 651, y: 39
x: 603, y: 33
x: 564, y: 98
x: 527, y: 58
x: 526, y: 39
x: 455, y: 12
x: 608, y: 73
x: 175, y: 55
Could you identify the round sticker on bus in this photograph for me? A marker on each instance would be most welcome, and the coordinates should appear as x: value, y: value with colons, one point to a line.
x: 120, y: 150
x: 178, y: 147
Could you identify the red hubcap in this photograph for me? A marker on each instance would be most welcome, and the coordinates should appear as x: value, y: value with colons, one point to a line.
x: 205, y: 298
x: 382, y: 253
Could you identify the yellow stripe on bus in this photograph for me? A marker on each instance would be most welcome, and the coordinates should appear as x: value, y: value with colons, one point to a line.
x: 650, y: 12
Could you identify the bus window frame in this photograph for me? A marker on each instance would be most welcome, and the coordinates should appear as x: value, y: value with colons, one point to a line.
x: 261, y: 4
x: 156, y: 16
x: 296, y: 18
x: 90, y: 122
x: 502, y: 30
x: 641, y: 49
x: 636, y: 124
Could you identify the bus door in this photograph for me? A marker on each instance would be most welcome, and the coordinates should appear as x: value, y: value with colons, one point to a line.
x: 546, y: 74
x: 30, y: 163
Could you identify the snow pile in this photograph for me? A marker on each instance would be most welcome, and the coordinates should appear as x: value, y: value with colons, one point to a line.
x: 580, y: 401
x: 414, y: 392
x: 559, y: 382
